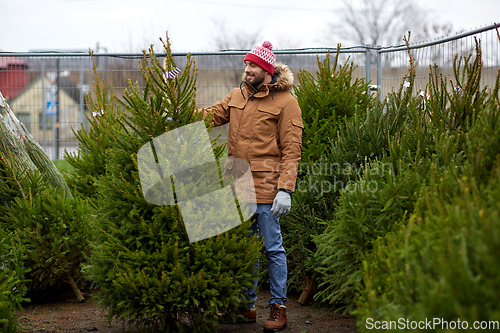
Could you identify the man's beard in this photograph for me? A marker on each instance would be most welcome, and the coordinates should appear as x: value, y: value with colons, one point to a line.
x: 257, y: 80
x: 255, y: 84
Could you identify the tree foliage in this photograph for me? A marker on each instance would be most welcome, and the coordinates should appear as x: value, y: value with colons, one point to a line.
x: 392, y: 232
x: 12, y: 280
x: 54, y: 230
x: 328, y: 99
x: 146, y: 267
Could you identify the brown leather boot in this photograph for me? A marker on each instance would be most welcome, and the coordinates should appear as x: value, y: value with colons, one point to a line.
x: 277, y: 319
x: 244, y: 314
x: 247, y: 315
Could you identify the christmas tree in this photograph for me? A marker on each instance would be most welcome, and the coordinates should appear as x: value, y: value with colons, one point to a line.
x: 328, y: 100
x: 153, y: 267
x: 38, y: 210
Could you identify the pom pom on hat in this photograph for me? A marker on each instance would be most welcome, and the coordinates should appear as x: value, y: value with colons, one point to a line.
x: 263, y: 57
x: 267, y: 45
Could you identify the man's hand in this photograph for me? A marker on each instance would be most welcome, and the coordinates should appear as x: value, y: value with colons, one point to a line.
x: 281, y: 205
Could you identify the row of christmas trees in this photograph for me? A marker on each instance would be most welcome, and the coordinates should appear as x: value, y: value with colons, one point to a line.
x: 401, y: 221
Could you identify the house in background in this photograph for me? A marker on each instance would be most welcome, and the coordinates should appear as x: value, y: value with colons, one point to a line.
x: 12, y: 76
x: 36, y: 108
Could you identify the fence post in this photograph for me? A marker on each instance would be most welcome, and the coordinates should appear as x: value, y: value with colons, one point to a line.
x: 44, y: 106
x: 379, y: 72
x: 368, y: 61
x: 58, y: 102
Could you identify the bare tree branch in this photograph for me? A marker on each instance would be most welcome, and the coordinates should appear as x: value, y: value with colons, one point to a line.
x: 380, y: 22
x: 225, y: 39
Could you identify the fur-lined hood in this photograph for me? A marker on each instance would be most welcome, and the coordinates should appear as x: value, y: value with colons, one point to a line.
x: 284, y: 77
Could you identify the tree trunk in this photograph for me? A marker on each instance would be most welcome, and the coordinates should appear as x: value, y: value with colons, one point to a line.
x: 308, y: 291
x: 77, y: 291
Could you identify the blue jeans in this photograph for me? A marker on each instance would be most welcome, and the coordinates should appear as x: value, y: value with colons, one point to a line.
x: 269, y: 228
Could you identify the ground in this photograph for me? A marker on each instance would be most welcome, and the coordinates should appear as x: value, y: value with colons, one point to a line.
x: 67, y: 315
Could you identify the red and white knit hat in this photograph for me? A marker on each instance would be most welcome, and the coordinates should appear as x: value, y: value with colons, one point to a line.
x: 263, y: 57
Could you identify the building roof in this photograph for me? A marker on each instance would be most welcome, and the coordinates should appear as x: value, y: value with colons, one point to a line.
x: 9, y: 61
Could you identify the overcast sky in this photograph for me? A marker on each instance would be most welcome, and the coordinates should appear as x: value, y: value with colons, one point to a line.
x: 130, y: 25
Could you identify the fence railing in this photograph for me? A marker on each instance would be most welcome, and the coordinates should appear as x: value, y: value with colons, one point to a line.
x: 391, y: 61
x: 46, y: 89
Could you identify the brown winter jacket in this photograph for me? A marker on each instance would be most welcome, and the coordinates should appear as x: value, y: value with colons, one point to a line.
x: 265, y: 130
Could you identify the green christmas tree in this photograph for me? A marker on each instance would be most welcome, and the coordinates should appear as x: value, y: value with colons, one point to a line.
x: 385, y: 249
x: 148, y: 269
x: 12, y: 275
x: 104, y: 118
x: 51, y: 227
x: 38, y: 211
x: 328, y: 101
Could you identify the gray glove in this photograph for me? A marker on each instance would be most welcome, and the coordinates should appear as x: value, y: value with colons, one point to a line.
x: 281, y: 204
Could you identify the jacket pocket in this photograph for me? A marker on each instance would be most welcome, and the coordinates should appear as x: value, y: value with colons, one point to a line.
x: 266, y: 120
x: 297, y: 129
x: 237, y: 104
x: 270, y: 109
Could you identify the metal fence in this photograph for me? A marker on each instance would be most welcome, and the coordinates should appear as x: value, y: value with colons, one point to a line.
x: 46, y: 90
x: 393, y: 62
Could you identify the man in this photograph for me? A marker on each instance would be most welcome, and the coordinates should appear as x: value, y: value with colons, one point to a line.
x: 265, y: 130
